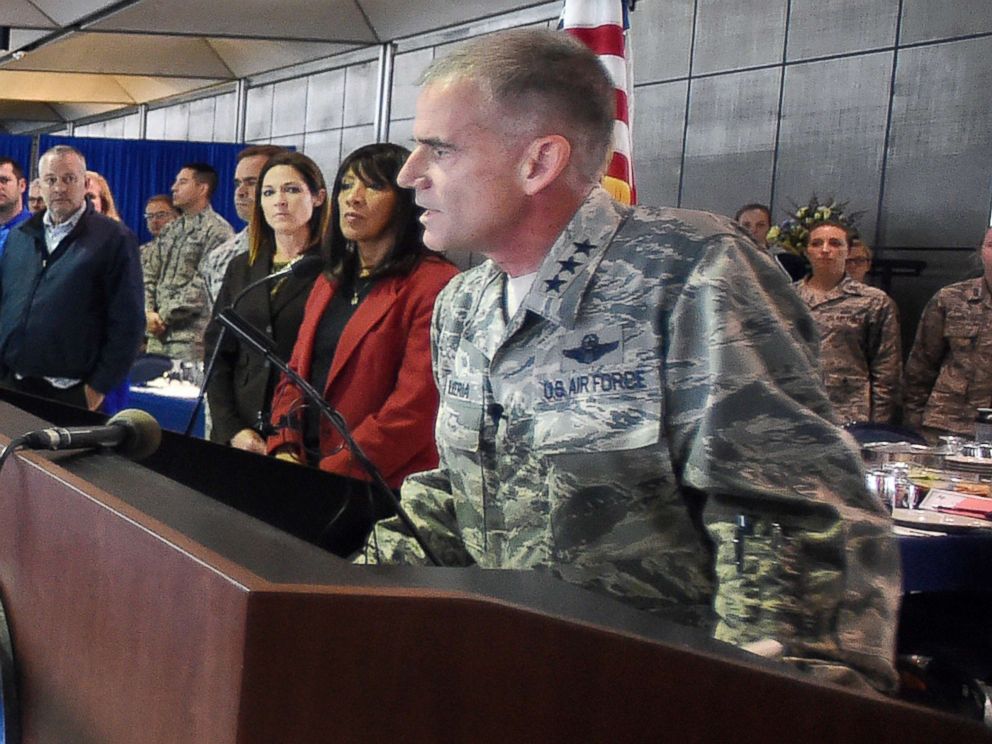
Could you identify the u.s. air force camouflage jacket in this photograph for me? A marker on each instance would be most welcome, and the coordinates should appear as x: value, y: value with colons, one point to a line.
x: 860, y: 349
x: 173, y: 285
x: 651, y: 424
x: 948, y: 374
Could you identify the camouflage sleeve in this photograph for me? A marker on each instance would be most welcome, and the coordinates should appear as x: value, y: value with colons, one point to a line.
x: 802, y: 554
x: 924, y: 361
x: 885, y: 362
x: 187, y: 298
x: 151, y: 267
x: 426, y: 498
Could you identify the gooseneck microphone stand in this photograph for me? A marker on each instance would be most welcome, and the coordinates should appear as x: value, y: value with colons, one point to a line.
x: 248, y: 334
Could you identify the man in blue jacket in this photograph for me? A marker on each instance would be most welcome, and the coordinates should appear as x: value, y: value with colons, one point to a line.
x: 12, y: 187
x: 71, y: 295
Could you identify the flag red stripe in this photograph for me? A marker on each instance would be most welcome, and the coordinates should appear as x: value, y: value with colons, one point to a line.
x: 622, y: 112
x: 619, y: 168
x: 601, y: 39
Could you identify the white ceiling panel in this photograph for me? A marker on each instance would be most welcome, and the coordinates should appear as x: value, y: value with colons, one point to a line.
x: 24, y: 13
x: 72, y: 111
x: 61, y: 87
x: 420, y: 16
x: 145, y: 89
x: 251, y: 56
x: 127, y: 54
x: 27, y: 111
x: 314, y: 20
x: 67, y: 12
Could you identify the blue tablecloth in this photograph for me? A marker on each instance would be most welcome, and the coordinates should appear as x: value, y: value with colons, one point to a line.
x: 171, y: 412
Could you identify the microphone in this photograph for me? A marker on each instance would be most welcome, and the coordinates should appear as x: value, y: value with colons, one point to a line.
x: 132, y: 433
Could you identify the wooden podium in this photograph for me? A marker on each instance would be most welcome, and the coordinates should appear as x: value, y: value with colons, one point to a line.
x: 142, y: 611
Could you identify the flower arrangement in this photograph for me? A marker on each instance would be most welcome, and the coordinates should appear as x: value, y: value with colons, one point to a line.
x: 793, y: 233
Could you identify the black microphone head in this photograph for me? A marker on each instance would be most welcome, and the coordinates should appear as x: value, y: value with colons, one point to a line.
x: 307, y: 266
x: 143, y: 433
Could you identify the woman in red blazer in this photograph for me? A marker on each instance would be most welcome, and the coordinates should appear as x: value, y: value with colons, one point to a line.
x: 365, y: 336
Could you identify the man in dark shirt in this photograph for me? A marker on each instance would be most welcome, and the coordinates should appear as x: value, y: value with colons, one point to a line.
x: 71, y: 297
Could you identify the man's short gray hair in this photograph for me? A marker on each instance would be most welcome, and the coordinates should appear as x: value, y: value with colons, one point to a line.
x: 58, y: 151
x: 547, y: 77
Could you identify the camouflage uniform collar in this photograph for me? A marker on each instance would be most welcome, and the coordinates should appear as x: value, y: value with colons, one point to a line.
x: 194, y: 221
x: 846, y: 286
x: 980, y: 292
x: 562, y: 278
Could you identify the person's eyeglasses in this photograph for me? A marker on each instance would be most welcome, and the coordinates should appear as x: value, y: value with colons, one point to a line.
x: 156, y: 215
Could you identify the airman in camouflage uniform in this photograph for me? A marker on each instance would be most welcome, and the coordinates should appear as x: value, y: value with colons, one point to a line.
x: 649, y: 422
x: 859, y: 349
x: 173, y: 286
x: 948, y: 374
x: 214, y: 265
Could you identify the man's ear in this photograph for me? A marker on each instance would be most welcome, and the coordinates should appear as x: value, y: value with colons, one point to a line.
x: 545, y: 159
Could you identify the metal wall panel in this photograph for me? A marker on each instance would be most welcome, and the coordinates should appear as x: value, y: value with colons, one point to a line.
x: 818, y: 28
x: 324, y: 148
x: 354, y: 137
x: 733, y: 34
x: 832, y: 137
x: 659, y: 120
x: 730, y: 141
x: 407, y: 69
x: 155, y: 124
x: 132, y: 126
x: 359, y: 93
x: 225, y: 118
x: 201, y: 120
x: 401, y: 132
x: 289, y: 107
x: 926, y: 20
x: 937, y: 186
x: 325, y: 100
x: 258, y: 114
x: 177, y: 122
x: 662, y: 36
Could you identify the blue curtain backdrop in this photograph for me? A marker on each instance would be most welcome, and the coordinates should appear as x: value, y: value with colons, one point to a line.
x: 18, y: 148
x: 138, y: 169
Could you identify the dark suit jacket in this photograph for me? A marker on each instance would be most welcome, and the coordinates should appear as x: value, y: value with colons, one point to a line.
x: 77, y: 313
x: 380, y: 379
x: 241, y: 386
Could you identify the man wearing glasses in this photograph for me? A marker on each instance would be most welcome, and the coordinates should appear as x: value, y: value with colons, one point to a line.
x: 71, y: 297
x: 159, y: 212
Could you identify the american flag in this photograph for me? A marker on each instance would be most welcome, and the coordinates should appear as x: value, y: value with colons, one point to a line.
x: 603, y: 26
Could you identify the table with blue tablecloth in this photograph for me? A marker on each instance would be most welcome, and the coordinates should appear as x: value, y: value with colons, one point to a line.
x: 171, y: 405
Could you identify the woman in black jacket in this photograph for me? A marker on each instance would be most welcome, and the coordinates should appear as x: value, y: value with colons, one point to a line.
x: 291, y: 217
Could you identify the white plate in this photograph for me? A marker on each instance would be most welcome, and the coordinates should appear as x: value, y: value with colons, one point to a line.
x: 938, y: 521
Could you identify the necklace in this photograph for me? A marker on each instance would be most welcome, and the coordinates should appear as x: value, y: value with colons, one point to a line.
x: 361, y: 287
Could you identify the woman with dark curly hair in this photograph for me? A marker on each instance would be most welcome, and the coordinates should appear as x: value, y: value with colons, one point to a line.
x: 365, y: 337
x: 291, y: 217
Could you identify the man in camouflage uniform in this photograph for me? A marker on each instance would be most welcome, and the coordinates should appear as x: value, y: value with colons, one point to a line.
x: 948, y: 375
x: 620, y: 404
x: 214, y: 265
x: 175, y: 299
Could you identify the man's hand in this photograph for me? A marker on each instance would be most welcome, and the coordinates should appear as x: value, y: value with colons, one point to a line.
x: 93, y: 397
x: 249, y: 441
x: 154, y: 323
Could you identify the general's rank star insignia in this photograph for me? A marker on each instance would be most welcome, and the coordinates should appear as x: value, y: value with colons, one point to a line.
x: 554, y: 285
